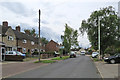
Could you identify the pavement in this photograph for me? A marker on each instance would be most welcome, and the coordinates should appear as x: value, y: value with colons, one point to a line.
x: 107, y: 70
x: 10, y: 68
x: 80, y: 67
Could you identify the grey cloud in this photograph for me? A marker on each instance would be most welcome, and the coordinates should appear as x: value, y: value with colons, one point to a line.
x: 17, y: 8
x: 45, y: 31
x: 49, y: 34
x: 44, y: 22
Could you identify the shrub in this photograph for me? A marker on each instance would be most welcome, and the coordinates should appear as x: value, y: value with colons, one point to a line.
x: 110, y: 50
x: 117, y: 50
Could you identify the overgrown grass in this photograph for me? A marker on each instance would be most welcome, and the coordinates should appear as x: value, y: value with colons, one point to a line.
x: 96, y: 59
x: 45, y: 61
x: 58, y: 58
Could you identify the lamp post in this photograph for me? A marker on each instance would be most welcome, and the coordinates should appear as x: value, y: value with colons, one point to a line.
x: 39, y: 34
x: 99, y: 37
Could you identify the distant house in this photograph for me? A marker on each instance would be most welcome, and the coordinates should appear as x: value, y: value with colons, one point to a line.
x: 52, y: 46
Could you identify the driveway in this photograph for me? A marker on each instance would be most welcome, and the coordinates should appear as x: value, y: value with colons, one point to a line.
x: 80, y: 67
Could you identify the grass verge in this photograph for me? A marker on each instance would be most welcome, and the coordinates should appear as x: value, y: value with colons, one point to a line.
x: 30, y: 58
x: 45, y: 61
x: 58, y: 58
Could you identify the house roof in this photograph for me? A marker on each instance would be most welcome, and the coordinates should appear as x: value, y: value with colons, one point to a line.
x: 21, y: 36
x: 54, y: 42
x: 4, y: 29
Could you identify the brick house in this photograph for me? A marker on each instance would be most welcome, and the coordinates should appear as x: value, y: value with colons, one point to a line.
x: 26, y: 43
x: 52, y: 46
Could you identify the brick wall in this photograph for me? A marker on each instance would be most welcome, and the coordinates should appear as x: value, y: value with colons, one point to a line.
x: 52, y: 46
x: 27, y: 45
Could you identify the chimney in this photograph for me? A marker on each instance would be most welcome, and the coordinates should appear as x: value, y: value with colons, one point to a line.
x: 18, y: 28
x: 5, y: 23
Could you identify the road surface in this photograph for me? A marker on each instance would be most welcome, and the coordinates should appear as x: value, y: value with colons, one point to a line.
x: 80, y: 67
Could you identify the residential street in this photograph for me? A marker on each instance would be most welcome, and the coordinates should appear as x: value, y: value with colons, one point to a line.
x: 80, y: 67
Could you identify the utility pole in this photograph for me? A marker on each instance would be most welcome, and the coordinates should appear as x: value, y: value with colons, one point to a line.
x: 39, y: 34
x: 99, y: 37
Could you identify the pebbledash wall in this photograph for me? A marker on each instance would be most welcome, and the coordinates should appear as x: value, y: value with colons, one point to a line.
x: 10, y: 44
x: 16, y: 41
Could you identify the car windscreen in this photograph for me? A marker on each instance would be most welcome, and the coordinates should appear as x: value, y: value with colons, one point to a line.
x: 94, y: 53
x: 72, y: 53
x: 117, y: 54
x: 18, y: 52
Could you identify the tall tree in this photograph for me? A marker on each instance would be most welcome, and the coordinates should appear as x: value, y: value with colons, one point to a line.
x: 108, y: 27
x: 69, y: 38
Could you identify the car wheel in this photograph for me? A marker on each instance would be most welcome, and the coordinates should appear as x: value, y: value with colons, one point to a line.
x: 112, y: 61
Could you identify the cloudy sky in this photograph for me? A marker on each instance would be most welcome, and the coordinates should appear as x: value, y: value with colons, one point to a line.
x: 54, y: 15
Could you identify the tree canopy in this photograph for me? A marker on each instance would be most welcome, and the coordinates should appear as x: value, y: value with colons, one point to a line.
x: 69, y: 38
x: 109, y: 28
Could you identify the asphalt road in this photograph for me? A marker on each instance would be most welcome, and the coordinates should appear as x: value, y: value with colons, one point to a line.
x: 80, y: 67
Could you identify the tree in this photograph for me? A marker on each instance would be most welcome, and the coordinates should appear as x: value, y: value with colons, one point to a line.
x: 108, y: 27
x: 69, y: 38
x: 44, y: 40
x: 31, y: 32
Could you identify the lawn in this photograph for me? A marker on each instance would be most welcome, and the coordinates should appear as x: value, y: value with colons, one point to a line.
x: 45, y: 61
x: 30, y: 58
x: 58, y: 58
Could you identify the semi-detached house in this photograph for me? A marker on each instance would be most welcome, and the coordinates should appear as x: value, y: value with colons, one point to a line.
x: 17, y: 40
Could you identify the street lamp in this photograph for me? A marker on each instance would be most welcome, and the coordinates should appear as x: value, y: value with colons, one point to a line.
x: 99, y: 37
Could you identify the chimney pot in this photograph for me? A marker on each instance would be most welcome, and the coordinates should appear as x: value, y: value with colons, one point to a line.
x: 18, y: 28
x: 5, y: 23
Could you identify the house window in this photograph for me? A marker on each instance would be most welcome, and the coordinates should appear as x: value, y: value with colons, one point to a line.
x: 24, y: 50
x: 32, y: 43
x: 40, y: 44
x: 32, y: 50
x: 56, y: 45
x: 24, y: 41
x: 10, y: 38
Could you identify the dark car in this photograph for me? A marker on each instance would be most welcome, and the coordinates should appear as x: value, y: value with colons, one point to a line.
x: 113, y: 59
x: 72, y: 54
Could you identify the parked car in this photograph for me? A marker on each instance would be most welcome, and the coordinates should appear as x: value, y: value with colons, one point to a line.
x: 113, y: 59
x: 56, y: 54
x: 14, y: 55
x: 95, y: 54
x: 82, y: 52
x: 72, y: 54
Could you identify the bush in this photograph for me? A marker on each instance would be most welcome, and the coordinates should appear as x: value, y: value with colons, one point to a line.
x: 110, y: 50
x: 117, y: 50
